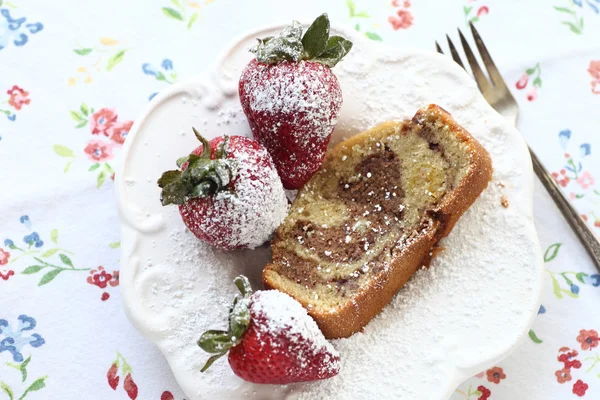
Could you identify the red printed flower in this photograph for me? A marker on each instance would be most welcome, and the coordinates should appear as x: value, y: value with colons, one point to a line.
x: 130, y: 387
x: 594, y: 69
x: 4, y: 256
x: 588, y: 339
x: 561, y: 179
x: 522, y: 83
x: 495, y: 375
x: 102, y: 120
x: 18, y: 97
x: 563, y: 375
x: 597, y: 223
x: 586, y: 180
x: 99, y: 278
x: 98, y: 151
x: 569, y: 360
x: 112, y: 376
x: 118, y: 133
x: 485, y: 392
x: 167, y: 396
x: 580, y: 387
x: 483, y: 10
x: 531, y: 96
x: 404, y: 20
x: 595, y: 87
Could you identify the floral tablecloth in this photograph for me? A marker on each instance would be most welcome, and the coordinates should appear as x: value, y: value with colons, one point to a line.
x: 73, y: 76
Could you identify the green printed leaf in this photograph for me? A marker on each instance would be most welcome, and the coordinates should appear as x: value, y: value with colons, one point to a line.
x: 530, y: 71
x: 373, y: 36
x: 569, y: 282
x: 351, y: 7
x: 49, y: 276
x: 115, y: 60
x: 23, y: 369
x: 161, y: 76
x: 556, y: 288
x: 552, y: 252
x: 63, y: 151
x: 84, y: 109
x: 81, y: 124
x: 570, y: 294
x: 579, y: 196
x: 467, y: 9
x: 580, y: 276
x: 65, y: 260
x: 32, y: 269
x: 193, y: 20
x: 108, y: 168
x: 537, y: 82
x: 83, y: 52
x: 54, y: 235
x: 362, y: 14
x: 49, y: 253
x: 100, y: 179
x: 171, y: 13
x: 115, y: 245
x: 76, y: 116
x: 67, y: 167
x: 357, y: 27
x: 475, y: 19
x: 534, y: 337
x: 35, y: 386
x: 564, y: 10
x: 94, y: 167
x: 176, y: 3
x: 6, y: 389
x: 574, y: 28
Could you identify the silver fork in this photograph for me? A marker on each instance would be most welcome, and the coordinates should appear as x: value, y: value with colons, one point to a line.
x: 499, y: 97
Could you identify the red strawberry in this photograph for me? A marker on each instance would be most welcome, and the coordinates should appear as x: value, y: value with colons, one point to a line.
x: 228, y: 192
x: 292, y: 99
x: 271, y: 339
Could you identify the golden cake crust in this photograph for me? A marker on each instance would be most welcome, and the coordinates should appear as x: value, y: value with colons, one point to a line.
x: 353, y: 315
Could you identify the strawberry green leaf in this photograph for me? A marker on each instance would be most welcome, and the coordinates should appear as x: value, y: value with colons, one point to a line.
x: 316, y: 36
x: 337, y: 48
x: 214, y: 341
x: 286, y: 46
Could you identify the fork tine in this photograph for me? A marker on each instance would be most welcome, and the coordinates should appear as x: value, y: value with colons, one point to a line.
x: 484, y: 85
x: 455, y: 55
x: 487, y: 59
x: 438, y: 48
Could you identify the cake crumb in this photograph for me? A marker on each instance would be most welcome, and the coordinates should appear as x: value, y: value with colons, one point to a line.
x: 504, y: 201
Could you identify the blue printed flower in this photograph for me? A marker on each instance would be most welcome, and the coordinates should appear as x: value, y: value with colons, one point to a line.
x: 152, y: 96
x: 14, y: 340
x: 592, y: 3
x: 25, y: 221
x: 542, y: 310
x: 11, y: 117
x: 149, y: 70
x: 167, y: 64
x: 15, y: 30
x: 593, y: 280
x: 574, y: 289
x: 33, y: 239
x: 9, y: 243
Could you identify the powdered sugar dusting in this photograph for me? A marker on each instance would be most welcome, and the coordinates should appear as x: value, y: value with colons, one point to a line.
x: 282, y: 315
x: 449, y: 322
x: 250, y: 213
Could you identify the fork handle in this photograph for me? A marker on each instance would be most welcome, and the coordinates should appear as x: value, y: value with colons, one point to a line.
x: 581, y: 228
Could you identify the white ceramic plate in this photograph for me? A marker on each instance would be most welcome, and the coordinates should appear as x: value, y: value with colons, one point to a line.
x: 465, y: 313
